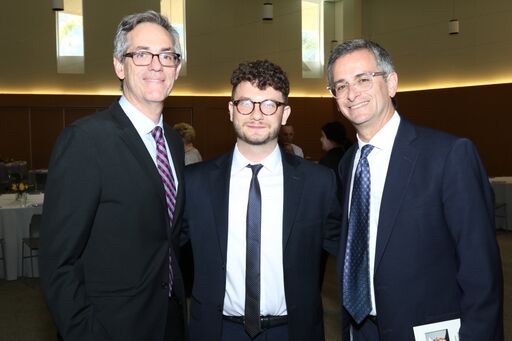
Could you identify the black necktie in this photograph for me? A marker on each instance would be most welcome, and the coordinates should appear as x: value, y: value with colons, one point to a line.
x: 356, y: 274
x: 252, y: 267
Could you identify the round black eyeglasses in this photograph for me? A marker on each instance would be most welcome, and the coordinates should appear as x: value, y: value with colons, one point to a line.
x: 246, y: 106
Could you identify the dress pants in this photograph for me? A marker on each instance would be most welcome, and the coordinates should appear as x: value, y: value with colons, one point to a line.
x: 368, y: 330
x: 232, y: 331
x: 175, y: 327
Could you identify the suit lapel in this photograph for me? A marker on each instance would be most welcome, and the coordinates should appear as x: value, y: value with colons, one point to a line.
x: 293, y: 183
x: 219, y: 183
x: 401, y: 166
x: 136, y: 147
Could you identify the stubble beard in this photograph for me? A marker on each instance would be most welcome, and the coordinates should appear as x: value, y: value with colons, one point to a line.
x: 255, y: 141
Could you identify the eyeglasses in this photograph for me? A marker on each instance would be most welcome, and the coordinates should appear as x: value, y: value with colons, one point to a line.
x: 268, y: 107
x: 144, y: 58
x: 361, y: 82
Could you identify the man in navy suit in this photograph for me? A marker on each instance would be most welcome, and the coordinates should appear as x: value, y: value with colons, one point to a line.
x: 430, y: 233
x: 300, y: 215
x: 109, y: 236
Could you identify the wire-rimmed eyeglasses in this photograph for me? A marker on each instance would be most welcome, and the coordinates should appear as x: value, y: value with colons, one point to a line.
x: 144, y: 58
x: 246, y: 106
x: 362, y: 82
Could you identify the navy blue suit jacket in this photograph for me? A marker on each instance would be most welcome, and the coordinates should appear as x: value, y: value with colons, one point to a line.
x: 436, y: 254
x: 311, y: 221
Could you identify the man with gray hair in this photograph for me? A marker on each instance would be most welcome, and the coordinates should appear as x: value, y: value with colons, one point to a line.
x: 418, y: 247
x: 113, y: 205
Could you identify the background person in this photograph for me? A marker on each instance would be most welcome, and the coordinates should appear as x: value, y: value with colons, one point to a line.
x: 334, y: 142
x: 110, y: 227
x: 286, y: 135
x: 417, y: 207
x: 192, y: 155
x: 188, y: 134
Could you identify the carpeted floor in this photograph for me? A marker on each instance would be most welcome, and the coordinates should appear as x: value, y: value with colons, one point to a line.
x: 25, y: 317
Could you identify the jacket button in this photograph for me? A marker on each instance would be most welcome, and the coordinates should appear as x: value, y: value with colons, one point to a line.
x: 164, y: 285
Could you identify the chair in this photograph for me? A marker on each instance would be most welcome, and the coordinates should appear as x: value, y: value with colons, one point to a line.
x: 40, y: 181
x: 500, y: 212
x: 4, y: 178
x: 32, y: 243
x: 2, y: 257
x: 500, y: 209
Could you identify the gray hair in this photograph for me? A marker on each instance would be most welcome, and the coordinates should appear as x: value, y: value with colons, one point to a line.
x: 384, y: 62
x: 131, y: 21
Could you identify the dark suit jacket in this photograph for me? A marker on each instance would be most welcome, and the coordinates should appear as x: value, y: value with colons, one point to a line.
x: 105, y: 232
x: 436, y: 254
x: 311, y: 219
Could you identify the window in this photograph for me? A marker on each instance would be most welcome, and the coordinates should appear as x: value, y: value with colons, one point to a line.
x: 312, y: 39
x: 70, y: 38
x: 174, y: 10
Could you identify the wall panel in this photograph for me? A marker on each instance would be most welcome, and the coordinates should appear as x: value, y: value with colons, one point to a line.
x: 46, y: 124
x: 479, y: 113
x: 15, y: 133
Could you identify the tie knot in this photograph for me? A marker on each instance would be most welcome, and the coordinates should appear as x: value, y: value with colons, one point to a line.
x: 366, y: 150
x: 255, y: 168
x: 157, y: 132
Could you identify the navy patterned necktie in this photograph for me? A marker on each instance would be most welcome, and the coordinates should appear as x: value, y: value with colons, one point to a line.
x: 356, y: 273
x: 252, y: 267
x: 164, y: 168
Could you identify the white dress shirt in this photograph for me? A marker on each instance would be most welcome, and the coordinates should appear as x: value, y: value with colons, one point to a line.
x: 297, y: 150
x: 378, y: 160
x: 270, y: 177
x: 144, y: 126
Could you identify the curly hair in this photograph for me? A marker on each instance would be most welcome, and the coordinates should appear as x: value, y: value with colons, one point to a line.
x: 261, y: 73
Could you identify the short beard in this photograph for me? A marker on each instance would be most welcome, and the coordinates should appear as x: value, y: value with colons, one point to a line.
x: 255, y: 142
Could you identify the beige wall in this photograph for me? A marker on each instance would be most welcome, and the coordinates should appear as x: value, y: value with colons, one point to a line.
x: 223, y: 33
x: 27, y: 29
x: 425, y: 55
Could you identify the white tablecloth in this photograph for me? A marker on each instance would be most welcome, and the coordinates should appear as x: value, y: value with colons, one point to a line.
x: 14, y: 226
x: 502, y: 187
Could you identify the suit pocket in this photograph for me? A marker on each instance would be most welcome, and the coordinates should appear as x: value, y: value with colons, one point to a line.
x: 107, y: 289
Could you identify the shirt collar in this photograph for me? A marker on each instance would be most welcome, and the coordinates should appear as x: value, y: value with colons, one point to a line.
x: 141, y: 122
x: 385, y: 137
x: 271, y: 162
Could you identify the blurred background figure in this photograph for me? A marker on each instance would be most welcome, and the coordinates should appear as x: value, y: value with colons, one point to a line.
x: 288, y: 147
x: 188, y: 134
x: 286, y: 134
x: 334, y: 143
x: 192, y: 155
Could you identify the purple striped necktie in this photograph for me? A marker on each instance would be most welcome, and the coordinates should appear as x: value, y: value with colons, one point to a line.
x: 164, y: 168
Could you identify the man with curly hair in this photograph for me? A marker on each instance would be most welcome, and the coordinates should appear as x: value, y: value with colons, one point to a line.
x: 258, y: 218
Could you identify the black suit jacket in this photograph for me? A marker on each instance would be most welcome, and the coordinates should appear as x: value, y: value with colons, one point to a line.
x: 311, y: 220
x: 105, y: 234
x: 436, y: 255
